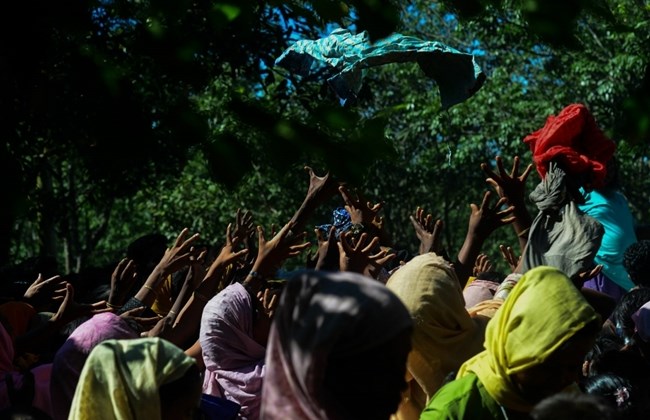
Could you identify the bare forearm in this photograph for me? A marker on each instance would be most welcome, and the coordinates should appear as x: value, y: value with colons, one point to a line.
x: 147, y: 293
x: 467, y: 256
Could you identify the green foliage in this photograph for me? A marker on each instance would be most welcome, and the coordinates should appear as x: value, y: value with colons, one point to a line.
x: 125, y: 118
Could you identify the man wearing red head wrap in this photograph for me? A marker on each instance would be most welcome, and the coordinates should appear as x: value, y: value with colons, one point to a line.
x: 573, y: 139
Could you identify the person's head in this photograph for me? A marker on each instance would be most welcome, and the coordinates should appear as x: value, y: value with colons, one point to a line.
x: 603, y: 344
x: 444, y: 335
x: 146, y: 252
x: 625, y: 308
x: 636, y: 261
x: 536, y: 342
x: 615, y: 390
x: 573, y: 407
x: 233, y: 338
x: 71, y: 357
x: 130, y: 379
x: 331, y: 333
x: 560, y: 369
x: 627, y: 363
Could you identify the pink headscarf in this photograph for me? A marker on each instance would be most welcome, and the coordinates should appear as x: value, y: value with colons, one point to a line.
x: 71, y: 357
x: 479, y: 291
x: 234, y: 361
x: 322, y: 316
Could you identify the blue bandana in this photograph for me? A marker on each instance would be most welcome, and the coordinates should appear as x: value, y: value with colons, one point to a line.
x: 340, y: 220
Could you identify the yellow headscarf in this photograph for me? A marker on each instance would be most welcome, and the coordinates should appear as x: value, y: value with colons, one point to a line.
x: 541, y: 313
x: 444, y: 335
x: 121, y: 379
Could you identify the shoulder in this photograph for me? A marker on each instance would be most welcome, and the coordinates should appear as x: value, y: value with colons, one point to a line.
x: 464, y: 398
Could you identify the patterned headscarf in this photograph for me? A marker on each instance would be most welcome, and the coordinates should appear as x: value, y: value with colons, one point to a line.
x: 341, y: 222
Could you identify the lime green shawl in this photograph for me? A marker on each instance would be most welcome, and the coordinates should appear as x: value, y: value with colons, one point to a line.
x: 121, y: 379
x: 542, y: 312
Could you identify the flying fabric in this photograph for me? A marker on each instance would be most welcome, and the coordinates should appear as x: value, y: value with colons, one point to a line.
x: 343, y: 59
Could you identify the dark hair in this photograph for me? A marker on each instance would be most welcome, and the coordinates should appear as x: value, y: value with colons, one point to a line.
x: 636, y: 261
x: 494, y: 276
x: 571, y: 407
x: 603, y: 344
x: 628, y: 363
x: 147, y: 249
x: 615, y: 390
x: 625, y: 308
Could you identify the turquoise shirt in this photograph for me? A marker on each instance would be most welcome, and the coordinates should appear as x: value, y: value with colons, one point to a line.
x: 611, y: 209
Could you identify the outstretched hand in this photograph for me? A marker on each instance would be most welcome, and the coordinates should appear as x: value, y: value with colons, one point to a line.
x: 580, y: 278
x: 163, y: 328
x: 268, y: 302
x: 228, y: 254
x: 42, y: 292
x: 122, y: 281
x: 320, y: 185
x: 272, y: 253
x: 244, y: 228
x: 360, y: 256
x: 509, y: 256
x: 361, y: 210
x: 143, y: 323
x: 427, y: 231
x: 484, y: 220
x: 509, y: 185
x: 178, y: 256
x: 482, y: 265
x: 69, y: 310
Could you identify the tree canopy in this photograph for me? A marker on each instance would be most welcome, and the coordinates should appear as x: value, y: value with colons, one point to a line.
x: 124, y: 118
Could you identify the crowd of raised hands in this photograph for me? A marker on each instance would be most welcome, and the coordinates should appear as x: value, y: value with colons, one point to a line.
x: 253, y: 256
x: 191, y: 295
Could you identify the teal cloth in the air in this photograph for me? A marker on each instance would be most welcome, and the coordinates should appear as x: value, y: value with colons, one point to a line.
x: 342, y: 58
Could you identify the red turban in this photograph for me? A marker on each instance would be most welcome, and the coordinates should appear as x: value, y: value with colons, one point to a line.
x: 572, y: 138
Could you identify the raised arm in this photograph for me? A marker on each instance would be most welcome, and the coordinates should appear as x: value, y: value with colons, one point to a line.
x: 320, y: 189
x: 483, y: 221
x: 185, y: 323
x: 427, y: 231
x: 174, y: 259
x: 365, y: 216
x: 512, y: 186
x: 362, y: 254
x: 271, y: 254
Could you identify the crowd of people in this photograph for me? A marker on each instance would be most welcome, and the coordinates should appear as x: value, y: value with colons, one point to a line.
x: 362, y: 330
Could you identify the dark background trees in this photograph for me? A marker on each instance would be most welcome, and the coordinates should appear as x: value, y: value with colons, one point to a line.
x: 124, y: 118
